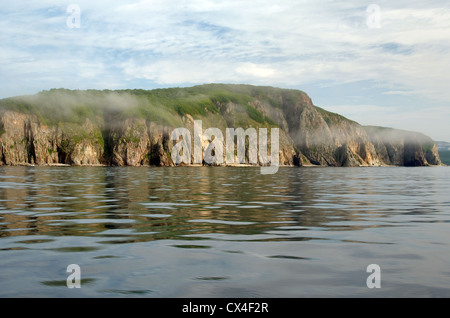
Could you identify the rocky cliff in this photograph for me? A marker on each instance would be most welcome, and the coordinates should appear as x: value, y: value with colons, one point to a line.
x: 133, y: 127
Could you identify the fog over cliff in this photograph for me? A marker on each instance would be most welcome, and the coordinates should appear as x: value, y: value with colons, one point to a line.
x: 133, y: 127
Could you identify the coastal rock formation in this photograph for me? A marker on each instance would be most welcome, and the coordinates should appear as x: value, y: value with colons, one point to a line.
x: 403, y: 148
x: 133, y: 128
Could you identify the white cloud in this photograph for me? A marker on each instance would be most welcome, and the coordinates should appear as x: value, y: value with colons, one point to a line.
x: 255, y: 70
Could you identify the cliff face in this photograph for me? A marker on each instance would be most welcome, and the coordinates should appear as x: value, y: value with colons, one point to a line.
x: 136, y: 142
x: 403, y: 148
x: 133, y: 128
x: 131, y: 142
x: 26, y: 140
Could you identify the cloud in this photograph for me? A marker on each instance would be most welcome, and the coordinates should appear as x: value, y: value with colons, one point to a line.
x: 329, y: 41
x: 255, y: 70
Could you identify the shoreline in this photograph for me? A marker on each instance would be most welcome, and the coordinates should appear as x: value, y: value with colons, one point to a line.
x: 206, y: 166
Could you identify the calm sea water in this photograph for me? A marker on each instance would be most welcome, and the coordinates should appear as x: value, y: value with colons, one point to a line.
x: 224, y: 232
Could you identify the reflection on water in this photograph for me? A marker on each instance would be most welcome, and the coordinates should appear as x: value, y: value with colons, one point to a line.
x: 224, y: 232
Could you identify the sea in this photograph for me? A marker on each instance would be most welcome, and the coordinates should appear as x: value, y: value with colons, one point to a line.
x: 225, y: 232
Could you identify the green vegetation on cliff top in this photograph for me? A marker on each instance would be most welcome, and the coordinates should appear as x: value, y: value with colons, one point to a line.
x: 169, y: 106
x: 165, y: 106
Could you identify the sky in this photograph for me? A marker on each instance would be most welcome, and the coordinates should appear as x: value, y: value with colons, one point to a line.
x: 384, y: 63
